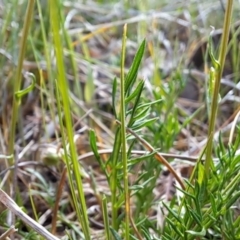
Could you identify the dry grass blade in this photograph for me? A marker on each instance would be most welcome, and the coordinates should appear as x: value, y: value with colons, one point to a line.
x: 14, y: 208
x: 5, y: 235
x: 58, y: 197
x: 139, y: 152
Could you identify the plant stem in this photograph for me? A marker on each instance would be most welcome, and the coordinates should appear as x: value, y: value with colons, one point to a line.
x: 113, y: 181
x: 17, y: 85
x: 123, y: 136
x: 218, y: 75
x: 62, y: 91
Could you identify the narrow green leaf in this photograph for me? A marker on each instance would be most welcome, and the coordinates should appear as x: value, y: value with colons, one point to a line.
x: 200, y: 193
x: 131, y: 146
x: 197, y: 234
x: 214, y: 61
x: 167, y: 236
x: 142, y: 106
x: 133, y: 161
x: 175, y: 227
x: 131, y: 76
x: 139, y: 125
x: 114, y: 90
x: 136, y: 92
x: 127, y: 93
x: 232, y: 200
x: 200, y: 173
x: 115, y: 234
x: 237, y: 224
x: 189, y: 184
x: 93, y: 144
x: 146, y: 233
x: 185, y: 192
x: 192, y: 116
x: 142, y: 113
x: 135, y: 106
x: 231, y: 187
x: 21, y: 93
x: 132, y: 237
x: 116, y: 148
x: 140, y: 120
x: 195, y: 216
x: 113, y: 161
x: 213, y: 205
x: 174, y: 214
x: 149, y: 104
x: 105, y: 217
x: 138, y: 187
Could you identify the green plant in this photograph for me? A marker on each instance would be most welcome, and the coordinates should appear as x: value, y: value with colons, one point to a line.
x: 69, y: 71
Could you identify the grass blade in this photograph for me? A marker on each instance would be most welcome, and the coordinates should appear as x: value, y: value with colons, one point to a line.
x: 62, y: 85
x: 123, y: 137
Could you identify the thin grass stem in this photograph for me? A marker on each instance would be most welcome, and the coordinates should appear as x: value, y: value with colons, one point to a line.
x: 215, y: 98
x: 123, y: 136
x: 105, y: 217
x: 23, y: 45
x: 61, y: 84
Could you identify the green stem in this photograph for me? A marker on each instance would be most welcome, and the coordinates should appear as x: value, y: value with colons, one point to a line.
x: 105, y: 218
x: 123, y: 136
x: 214, y: 106
x: 47, y: 55
x: 113, y: 181
x: 62, y: 84
x: 17, y: 85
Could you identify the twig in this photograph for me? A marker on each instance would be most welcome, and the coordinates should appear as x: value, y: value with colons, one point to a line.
x: 135, y: 228
x: 106, y: 151
x: 13, y: 207
x: 139, y: 152
x: 58, y: 197
x: 10, y: 231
